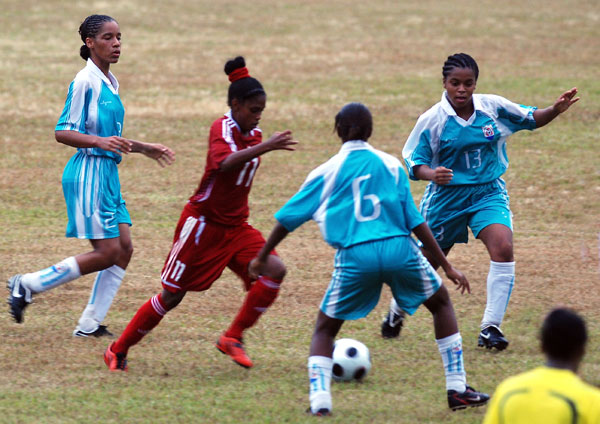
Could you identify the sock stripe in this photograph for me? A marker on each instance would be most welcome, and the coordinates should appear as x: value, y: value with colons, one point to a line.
x: 272, y: 284
x: 157, y: 305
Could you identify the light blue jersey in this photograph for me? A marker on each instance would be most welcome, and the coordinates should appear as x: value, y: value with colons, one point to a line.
x: 91, y: 185
x: 359, y: 195
x: 475, y: 150
x: 361, y: 200
x: 93, y: 107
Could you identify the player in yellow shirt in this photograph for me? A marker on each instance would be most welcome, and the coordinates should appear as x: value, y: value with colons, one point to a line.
x: 552, y: 393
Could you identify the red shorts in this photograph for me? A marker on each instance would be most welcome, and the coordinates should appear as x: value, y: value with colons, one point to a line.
x: 201, y: 251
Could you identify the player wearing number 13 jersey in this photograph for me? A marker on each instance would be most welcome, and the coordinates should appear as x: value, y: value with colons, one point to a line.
x: 213, y: 232
x: 459, y: 145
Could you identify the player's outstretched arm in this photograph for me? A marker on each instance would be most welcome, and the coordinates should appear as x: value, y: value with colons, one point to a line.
x: 424, y: 234
x: 162, y: 154
x: 278, y: 141
x: 562, y: 104
x: 257, y: 265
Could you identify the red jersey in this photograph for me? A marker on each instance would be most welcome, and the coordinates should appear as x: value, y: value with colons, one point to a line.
x: 222, y: 197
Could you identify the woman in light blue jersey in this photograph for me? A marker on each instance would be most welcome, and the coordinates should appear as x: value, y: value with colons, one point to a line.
x: 460, y: 146
x: 92, y: 122
x: 367, y: 190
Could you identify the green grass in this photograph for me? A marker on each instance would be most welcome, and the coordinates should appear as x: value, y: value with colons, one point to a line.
x: 312, y: 57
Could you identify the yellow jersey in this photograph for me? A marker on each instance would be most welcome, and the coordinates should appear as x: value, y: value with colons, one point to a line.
x: 544, y: 395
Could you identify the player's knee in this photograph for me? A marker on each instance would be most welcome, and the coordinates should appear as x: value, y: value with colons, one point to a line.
x: 275, y: 268
x: 171, y: 300
x: 126, y: 253
x: 108, y: 255
x: 503, y: 252
x: 439, y: 300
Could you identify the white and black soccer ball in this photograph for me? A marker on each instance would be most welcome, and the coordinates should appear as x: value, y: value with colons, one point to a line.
x: 351, y: 360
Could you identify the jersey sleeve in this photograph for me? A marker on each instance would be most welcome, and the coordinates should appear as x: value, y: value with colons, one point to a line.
x: 75, y: 112
x: 513, y: 116
x: 417, y: 150
x: 302, y: 206
x: 219, y: 147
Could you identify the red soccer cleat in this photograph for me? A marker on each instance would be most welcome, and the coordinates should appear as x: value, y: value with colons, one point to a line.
x: 235, y: 349
x: 115, y: 361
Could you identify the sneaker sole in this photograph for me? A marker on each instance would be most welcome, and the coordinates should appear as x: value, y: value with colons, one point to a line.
x: 18, y: 317
x: 489, y: 346
x: 107, y: 362
x: 458, y: 408
x: 220, y: 349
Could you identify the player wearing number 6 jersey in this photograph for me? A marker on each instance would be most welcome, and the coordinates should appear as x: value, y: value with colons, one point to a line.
x: 362, y: 203
x: 213, y: 232
x: 460, y: 146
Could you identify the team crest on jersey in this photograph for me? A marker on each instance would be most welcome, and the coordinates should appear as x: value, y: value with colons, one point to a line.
x: 488, y: 132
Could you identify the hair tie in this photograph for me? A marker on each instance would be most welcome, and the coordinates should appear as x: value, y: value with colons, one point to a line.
x: 238, y: 74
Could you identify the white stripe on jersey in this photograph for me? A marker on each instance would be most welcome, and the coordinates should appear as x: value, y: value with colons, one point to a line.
x: 428, y: 288
x: 336, y: 283
x: 185, y: 232
x: 200, y: 229
x: 227, y: 133
x: 334, y: 164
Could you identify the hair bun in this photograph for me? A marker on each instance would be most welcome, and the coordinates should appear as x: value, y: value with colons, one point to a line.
x: 234, y: 64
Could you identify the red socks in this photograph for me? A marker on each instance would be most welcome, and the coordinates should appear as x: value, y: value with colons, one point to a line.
x: 260, y: 296
x: 145, y: 319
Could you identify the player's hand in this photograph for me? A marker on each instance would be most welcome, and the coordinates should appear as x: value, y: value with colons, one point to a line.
x: 281, y: 141
x: 162, y: 154
x: 442, y: 175
x: 118, y: 145
x: 565, y: 100
x: 459, y: 279
x: 255, y: 268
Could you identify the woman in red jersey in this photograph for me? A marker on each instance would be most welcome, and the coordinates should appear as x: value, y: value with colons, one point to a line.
x: 213, y: 232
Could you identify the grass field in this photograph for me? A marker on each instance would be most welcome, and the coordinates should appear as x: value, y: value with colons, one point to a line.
x: 312, y: 57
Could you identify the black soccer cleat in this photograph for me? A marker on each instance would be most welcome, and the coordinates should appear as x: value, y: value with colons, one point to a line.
x: 492, y: 337
x: 101, y: 331
x: 19, y: 297
x: 470, y: 398
x: 323, y: 412
x: 392, y: 325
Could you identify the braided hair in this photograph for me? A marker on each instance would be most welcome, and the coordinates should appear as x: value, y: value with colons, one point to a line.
x: 460, y: 60
x: 242, y: 86
x: 354, y: 122
x: 89, y: 28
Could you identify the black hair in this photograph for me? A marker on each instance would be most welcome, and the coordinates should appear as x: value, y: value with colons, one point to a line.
x: 89, y: 28
x: 354, y: 122
x: 563, y: 335
x: 460, y: 60
x: 244, y: 88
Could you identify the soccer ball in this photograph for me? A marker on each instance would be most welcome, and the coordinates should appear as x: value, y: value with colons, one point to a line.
x: 351, y: 360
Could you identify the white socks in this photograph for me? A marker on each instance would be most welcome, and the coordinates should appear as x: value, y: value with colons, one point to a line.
x: 395, y: 308
x: 104, y: 290
x: 48, y: 278
x: 452, y: 356
x: 500, y: 282
x: 319, y: 374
